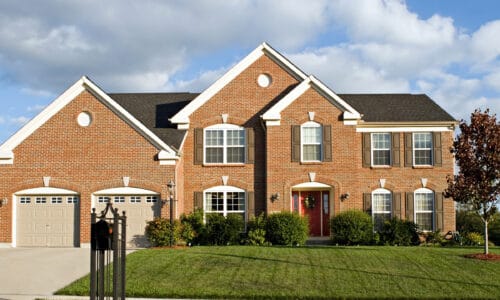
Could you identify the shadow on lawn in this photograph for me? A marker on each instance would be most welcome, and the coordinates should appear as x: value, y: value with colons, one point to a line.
x: 346, y: 269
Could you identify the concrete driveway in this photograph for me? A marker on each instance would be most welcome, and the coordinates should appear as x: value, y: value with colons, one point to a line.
x: 28, y: 273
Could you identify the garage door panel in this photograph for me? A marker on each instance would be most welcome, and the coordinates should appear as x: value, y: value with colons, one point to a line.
x: 47, y: 224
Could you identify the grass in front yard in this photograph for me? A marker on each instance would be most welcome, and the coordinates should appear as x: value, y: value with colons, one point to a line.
x: 309, y: 272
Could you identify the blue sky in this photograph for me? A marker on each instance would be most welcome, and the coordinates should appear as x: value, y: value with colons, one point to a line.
x: 447, y: 49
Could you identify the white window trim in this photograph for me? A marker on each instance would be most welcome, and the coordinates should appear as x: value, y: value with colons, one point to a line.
x: 224, y: 128
x: 372, y: 148
x: 415, y: 148
x: 224, y: 189
x: 424, y: 191
x: 302, y: 144
x: 381, y: 191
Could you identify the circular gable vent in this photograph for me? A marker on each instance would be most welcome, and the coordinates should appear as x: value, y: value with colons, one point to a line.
x: 84, y: 119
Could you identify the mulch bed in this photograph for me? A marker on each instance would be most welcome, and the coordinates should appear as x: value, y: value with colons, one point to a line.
x: 482, y: 256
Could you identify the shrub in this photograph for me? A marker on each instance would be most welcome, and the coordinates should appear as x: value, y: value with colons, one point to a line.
x: 220, y: 230
x: 434, y: 238
x: 352, y: 227
x: 399, y: 232
x: 473, y: 239
x: 160, y: 232
x: 287, y: 228
x: 256, y: 231
x: 468, y: 221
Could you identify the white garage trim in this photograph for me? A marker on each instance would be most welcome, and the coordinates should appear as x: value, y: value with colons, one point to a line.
x: 125, y: 191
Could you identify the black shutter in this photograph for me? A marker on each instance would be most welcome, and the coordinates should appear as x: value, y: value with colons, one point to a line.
x: 396, y: 205
x: 409, y: 207
x: 438, y: 211
x: 438, y: 152
x: 327, y: 143
x: 408, y: 149
x: 250, y: 147
x: 367, y: 203
x: 395, y: 154
x: 198, y: 200
x: 198, y: 146
x: 366, y: 151
x: 296, y: 143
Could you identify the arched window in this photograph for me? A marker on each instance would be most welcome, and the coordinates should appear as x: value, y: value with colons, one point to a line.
x: 225, y: 200
x: 424, y: 209
x: 311, y: 141
x: 224, y: 144
x: 381, y: 207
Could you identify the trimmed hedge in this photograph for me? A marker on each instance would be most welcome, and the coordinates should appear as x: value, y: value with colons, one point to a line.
x: 287, y: 228
x: 399, y: 232
x: 352, y: 227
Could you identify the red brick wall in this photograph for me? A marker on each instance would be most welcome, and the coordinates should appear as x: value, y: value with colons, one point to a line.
x: 83, y: 159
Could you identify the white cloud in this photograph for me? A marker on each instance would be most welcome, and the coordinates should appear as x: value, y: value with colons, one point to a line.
x: 2, y: 120
x: 20, y: 120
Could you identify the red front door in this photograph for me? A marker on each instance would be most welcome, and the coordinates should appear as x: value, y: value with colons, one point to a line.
x: 314, y: 205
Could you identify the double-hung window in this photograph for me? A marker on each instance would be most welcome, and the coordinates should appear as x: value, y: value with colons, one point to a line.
x: 225, y: 200
x: 424, y: 209
x: 312, y: 138
x: 224, y: 144
x: 381, y: 149
x: 381, y: 207
x: 422, y: 149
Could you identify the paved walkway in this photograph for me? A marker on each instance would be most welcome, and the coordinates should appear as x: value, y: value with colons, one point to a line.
x: 29, y: 273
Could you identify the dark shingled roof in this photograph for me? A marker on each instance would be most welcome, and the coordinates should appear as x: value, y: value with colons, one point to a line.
x: 396, y: 108
x: 154, y: 109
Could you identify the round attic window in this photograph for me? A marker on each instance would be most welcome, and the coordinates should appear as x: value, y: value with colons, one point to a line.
x: 264, y: 80
x: 84, y: 119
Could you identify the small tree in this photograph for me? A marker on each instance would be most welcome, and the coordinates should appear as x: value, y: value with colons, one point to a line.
x: 477, y: 153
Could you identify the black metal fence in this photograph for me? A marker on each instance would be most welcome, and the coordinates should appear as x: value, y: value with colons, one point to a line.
x: 108, y: 244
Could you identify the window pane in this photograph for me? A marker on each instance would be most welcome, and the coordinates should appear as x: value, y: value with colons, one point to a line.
x: 312, y: 152
x: 423, y: 157
x: 381, y: 157
x: 311, y: 135
x: 235, y: 201
x: 424, y: 221
x: 214, y: 155
x: 424, y: 201
x: 235, y: 137
x: 236, y: 155
x: 215, y: 202
x: 214, y: 138
x: 381, y: 202
x: 422, y: 140
x: 381, y: 140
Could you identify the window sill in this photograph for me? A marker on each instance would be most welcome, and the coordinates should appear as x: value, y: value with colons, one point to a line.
x: 311, y: 162
x: 423, y: 167
x: 224, y: 165
x: 381, y: 167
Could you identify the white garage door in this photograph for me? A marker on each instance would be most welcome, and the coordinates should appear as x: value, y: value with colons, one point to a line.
x: 139, y: 209
x: 47, y: 221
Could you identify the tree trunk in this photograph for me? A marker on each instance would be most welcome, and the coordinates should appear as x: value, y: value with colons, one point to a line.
x: 486, y: 250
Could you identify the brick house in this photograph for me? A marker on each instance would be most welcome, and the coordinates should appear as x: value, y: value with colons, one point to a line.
x: 265, y: 137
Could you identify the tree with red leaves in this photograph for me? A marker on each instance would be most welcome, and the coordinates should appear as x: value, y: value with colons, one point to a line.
x: 477, y: 154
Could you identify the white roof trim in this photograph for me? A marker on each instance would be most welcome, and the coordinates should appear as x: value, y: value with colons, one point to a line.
x: 71, y: 93
x: 310, y: 185
x: 182, y: 117
x: 125, y: 191
x: 404, y: 129
x: 274, y: 113
x: 46, y: 191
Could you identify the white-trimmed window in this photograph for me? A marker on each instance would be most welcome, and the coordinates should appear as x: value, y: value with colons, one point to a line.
x: 119, y: 199
x: 40, y: 200
x: 56, y: 200
x: 381, y: 207
x: 225, y: 200
x: 381, y: 149
x: 424, y: 209
x: 151, y: 199
x: 72, y: 199
x: 224, y: 144
x: 103, y: 199
x: 311, y: 141
x: 25, y: 200
x: 135, y: 199
x: 422, y: 148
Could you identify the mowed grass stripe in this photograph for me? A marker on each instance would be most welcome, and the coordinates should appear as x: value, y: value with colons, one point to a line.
x: 307, y: 272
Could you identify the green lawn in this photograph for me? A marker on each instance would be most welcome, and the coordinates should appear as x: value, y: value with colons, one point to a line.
x: 309, y: 272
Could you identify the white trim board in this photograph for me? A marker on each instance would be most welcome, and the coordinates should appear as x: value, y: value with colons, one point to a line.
x: 6, y: 149
x: 182, y: 117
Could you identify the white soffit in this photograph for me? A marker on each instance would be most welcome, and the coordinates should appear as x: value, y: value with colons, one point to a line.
x: 60, y: 102
x: 125, y: 191
x: 45, y: 191
x: 182, y: 117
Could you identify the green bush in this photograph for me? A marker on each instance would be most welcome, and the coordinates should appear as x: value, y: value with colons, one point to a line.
x: 398, y: 232
x: 220, y: 230
x: 256, y: 231
x: 473, y: 239
x: 352, y: 227
x: 287, y: 228
x: 160, y: 232
x: 470, y: 221
x: 194, y: 227
x: 434, y: 238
